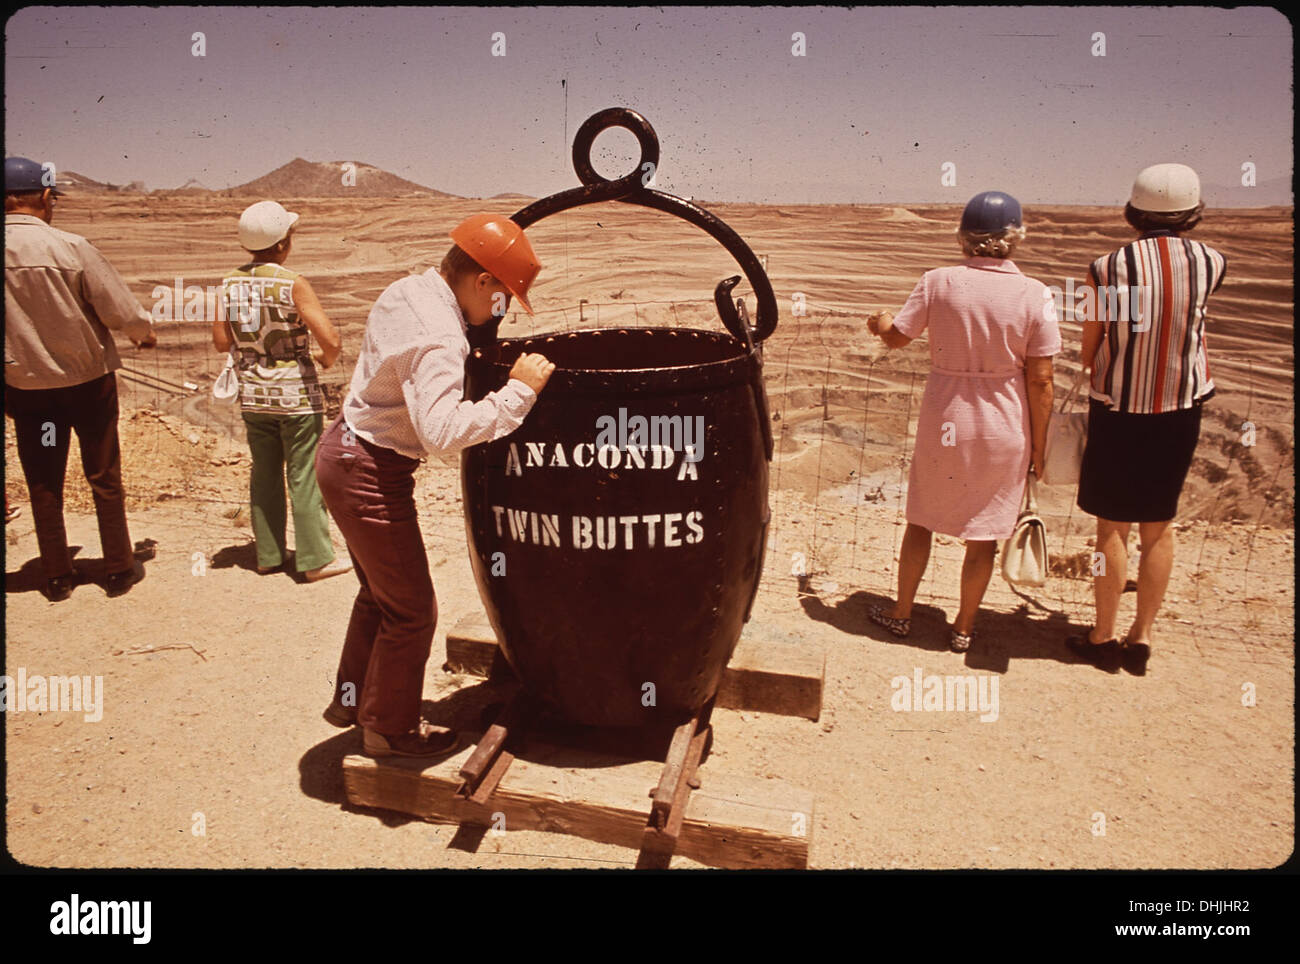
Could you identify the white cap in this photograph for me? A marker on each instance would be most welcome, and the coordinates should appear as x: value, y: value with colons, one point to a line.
x: 1162, y: 188
x: 263, y: 224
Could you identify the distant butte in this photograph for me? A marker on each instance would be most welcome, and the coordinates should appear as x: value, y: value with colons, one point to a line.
x: 72, y: 181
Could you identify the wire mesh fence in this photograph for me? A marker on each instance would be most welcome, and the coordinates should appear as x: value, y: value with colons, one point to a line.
x: 844, y: 414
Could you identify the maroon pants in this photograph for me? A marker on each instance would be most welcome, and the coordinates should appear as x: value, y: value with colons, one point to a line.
x: 44, y: 420
x: 370, y: 493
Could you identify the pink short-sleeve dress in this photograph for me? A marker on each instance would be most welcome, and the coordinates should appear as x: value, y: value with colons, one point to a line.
x: 973, y: 439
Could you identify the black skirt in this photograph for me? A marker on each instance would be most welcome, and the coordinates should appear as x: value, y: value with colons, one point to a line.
x: 1134, y: 466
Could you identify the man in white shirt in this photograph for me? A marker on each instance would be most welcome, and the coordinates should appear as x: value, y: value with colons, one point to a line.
x: 406, y: 401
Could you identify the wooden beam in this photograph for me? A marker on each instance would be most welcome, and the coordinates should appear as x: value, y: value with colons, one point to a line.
x: 472, y: 647
x: 679, y: 777
x: 766, y: 674
x: 729, y: 822
x: 490, y: 759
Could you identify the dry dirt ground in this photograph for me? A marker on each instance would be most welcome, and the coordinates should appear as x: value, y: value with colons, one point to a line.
x: 214, y: 676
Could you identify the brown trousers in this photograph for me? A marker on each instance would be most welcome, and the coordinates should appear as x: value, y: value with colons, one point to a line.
x: 370, y: 493
x: 44, y: 420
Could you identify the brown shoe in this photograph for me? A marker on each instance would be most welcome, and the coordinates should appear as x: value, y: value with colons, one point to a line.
x: 339, y: 715
x: 324, y: 572
x: 428, y: 741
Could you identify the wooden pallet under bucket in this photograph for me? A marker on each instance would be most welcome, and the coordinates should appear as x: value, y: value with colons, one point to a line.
x: 653, y: 791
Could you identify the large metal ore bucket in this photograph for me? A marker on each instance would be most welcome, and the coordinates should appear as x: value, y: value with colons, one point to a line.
x: 617, y: 536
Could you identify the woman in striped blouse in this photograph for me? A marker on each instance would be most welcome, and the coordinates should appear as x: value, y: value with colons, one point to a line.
x: 1145, y: 346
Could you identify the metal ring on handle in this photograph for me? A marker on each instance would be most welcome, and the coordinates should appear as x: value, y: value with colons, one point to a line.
x: 597, y: 124
x: 631, y: 189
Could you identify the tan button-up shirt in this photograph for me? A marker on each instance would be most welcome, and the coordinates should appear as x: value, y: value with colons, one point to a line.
x: 61, y: 299
x: 406, y: 392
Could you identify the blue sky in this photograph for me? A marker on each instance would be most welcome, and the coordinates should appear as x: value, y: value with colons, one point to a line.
x: 881, y: 99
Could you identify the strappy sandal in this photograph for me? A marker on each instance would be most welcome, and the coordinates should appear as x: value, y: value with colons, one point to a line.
x: 960, y: 642
x: 899, y: 627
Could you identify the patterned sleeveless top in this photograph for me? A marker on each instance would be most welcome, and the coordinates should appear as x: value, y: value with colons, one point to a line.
x: 276, y: 371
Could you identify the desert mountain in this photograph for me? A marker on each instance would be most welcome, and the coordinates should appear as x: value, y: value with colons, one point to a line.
x: 72, y: 181
x: 300, y: 178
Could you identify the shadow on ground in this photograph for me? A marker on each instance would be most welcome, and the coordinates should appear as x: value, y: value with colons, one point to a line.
x: 244, y: 556
x: 999, y: 637
x: 30, y: 576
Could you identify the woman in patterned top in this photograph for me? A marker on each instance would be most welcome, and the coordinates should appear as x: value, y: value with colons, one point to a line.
x: 270, y: 315
x: 1144, y: 341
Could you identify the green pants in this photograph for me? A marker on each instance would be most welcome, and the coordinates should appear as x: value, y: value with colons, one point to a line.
x: 277, y: 443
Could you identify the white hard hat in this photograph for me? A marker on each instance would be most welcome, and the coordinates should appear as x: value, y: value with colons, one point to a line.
x: 1162, y: 188
x: 263, y: 224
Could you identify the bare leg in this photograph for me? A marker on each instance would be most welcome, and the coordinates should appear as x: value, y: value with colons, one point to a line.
x: 913, y: 559
x: 1156, y: 564
x: 976, y: 570
x: 1112, y: 543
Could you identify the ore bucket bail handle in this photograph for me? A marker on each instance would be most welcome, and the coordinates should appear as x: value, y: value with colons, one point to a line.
x: 632, y: 189
x: 551, y: 665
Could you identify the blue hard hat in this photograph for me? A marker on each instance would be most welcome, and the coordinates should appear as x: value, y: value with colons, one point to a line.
x: 989, y: 212
x: 24, y: 174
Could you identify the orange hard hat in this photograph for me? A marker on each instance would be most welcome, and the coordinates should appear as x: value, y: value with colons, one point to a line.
x: 499, y: 245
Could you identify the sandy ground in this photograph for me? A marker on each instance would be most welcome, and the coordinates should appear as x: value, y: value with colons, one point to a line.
x: 221, y: 718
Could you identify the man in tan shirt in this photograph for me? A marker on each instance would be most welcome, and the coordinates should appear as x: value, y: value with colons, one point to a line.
x: 62, y: 298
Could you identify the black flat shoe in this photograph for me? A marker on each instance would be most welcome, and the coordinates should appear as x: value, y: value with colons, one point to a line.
x: 59, y: 588
x: 120, y: 583
x: 1135, y: 658
x: 1105, y: 656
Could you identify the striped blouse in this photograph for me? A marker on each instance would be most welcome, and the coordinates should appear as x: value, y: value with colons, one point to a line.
x: 1154, y: 360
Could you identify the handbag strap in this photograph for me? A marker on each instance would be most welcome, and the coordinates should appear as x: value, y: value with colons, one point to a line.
x: 232, y: 353
x: 1031, y: 500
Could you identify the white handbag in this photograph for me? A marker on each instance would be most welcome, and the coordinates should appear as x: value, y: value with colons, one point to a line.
x: 227, y: 384
x: 1024, y: 555
x: 1067, y: 434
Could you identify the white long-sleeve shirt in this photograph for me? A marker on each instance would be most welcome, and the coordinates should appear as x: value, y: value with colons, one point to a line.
x: 407, y: 388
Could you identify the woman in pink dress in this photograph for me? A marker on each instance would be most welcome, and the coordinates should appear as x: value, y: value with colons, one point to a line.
x: 983, y: 420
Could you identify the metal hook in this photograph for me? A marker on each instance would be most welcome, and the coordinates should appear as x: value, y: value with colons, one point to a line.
x: 632, y: 189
